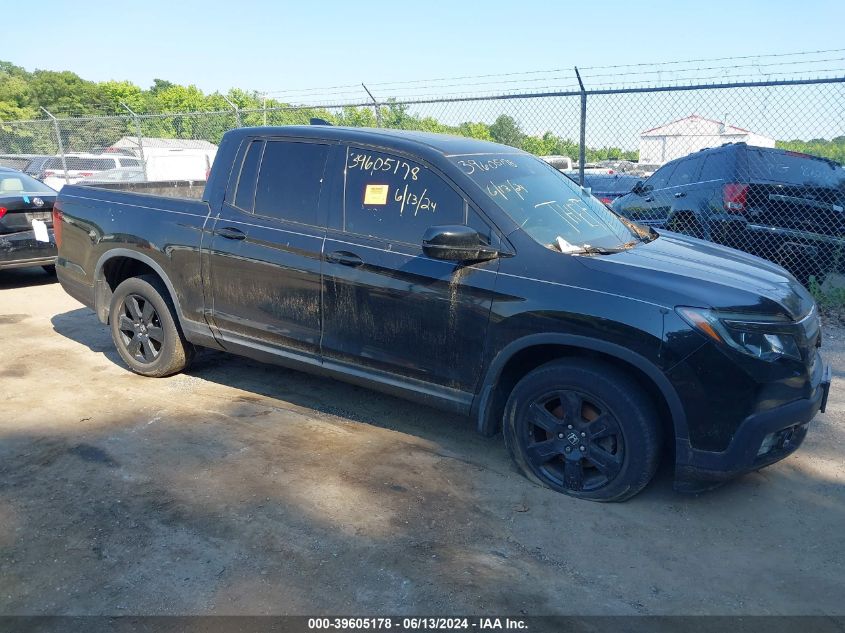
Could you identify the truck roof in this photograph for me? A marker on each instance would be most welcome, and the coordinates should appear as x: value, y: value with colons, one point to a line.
x: 411, y: 140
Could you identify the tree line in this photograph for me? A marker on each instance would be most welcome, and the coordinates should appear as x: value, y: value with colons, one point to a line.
x: 65, y: 94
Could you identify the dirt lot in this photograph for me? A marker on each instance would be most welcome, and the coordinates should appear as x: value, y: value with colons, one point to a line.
x: 245, y: 488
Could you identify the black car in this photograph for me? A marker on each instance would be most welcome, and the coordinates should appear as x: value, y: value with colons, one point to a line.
x: 26, y: 221
x: 606, y: 187
x: 30, y: 164
x: 785, y: 206
x: 466, y: 275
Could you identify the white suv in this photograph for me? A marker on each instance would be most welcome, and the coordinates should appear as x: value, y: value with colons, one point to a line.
x: 81, y: 166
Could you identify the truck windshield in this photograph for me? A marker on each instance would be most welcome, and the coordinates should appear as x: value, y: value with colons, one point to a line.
x: 548, y: 206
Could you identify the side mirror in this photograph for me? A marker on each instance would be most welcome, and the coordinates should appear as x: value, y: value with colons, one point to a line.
x: 639, y: 188
x: 456, y: 243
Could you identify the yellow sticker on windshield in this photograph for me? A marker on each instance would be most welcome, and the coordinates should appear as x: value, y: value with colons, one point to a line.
x: 375, y: 194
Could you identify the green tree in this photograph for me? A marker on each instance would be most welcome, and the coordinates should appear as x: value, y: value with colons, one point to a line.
x: 505, y: 130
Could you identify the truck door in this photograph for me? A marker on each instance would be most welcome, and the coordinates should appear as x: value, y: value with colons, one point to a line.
x: 387, y: 307
x: 650, y: 205
x: 264, y: 257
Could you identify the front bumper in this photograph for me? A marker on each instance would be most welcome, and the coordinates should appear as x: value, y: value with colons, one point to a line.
x: 783, y: 429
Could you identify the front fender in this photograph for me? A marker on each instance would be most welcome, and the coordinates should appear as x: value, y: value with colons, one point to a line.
x: 481, y: 404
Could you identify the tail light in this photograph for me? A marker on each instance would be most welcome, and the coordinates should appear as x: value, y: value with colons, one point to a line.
x: 57, y: 224
x: 605, y: 199
x: 734, y: 197
x: 86, y: 174
x: 3, y: 211
x: 48, y: 173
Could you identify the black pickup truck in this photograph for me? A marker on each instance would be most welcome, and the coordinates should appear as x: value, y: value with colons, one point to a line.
x: 466, y: 275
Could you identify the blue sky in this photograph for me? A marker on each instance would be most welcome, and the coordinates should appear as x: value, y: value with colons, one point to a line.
x: 270, y: 46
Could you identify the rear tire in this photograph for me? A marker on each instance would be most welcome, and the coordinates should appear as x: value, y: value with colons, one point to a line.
x: 145, y: 330
x: 583, y: 428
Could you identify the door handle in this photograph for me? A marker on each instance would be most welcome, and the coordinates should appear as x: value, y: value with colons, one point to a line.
x: 680, y: 194
x: 649, y: 199
x: 344, y: 258
x: 230, y: 233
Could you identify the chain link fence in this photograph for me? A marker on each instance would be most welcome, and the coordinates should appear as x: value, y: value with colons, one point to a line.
x: 752, y: 165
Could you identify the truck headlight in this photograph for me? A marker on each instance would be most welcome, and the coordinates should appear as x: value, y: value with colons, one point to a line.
x: 762, y: 338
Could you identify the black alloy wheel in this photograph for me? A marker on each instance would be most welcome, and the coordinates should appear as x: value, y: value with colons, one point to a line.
x: 140, y: 329
x: 573, y: 440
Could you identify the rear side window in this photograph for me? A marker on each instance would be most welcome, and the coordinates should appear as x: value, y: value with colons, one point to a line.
x: 245, y: 192
x: 686, y: 172
x: 289, y: 181
x: 79, y: 163
x: 396, y: 199
x: 714, y: 167
x: 794, y: 168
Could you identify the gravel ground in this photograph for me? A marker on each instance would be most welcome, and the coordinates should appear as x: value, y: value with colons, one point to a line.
x: 245, y: 488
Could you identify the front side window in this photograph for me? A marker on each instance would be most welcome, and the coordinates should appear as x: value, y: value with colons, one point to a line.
x: 686, y: 172
x: 396, y: 199
x: 289, y: 181
x: 550, y: 207
x: 660, y: 178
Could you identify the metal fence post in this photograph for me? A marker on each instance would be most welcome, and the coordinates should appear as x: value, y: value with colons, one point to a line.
x: 235, y: 108
x: 58, y: 140
x: 140, y: 138
x: 582, y: 149
x: 264, y: 107
x: 375, y: 105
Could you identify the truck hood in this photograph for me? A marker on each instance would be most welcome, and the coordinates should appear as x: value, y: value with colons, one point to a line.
x: 676, y: 269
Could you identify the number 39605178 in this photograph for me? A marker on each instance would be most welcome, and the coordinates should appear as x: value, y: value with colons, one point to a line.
x: 366, y: 162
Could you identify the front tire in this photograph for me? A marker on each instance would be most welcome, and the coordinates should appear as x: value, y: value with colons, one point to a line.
x: 144, y: 328
x: 687, y: 224
x: 583, y: 428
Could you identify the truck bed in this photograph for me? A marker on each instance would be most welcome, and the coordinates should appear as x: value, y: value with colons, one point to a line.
x: 162, y: 228
x: 185, y: 189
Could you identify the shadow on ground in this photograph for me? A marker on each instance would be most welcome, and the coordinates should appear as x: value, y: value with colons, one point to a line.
x: 245, y: 488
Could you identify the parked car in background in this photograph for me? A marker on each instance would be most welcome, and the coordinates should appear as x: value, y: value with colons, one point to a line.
x: 174, y: 166
x: 606, y: 187
x: 57, y: 173
x: 178, y: 165
x: 563, y: 163
x: 31, y: 164
x: 26, y: 221
x: 785, y: 206
x: 467, y: 275
x: 121, y: 174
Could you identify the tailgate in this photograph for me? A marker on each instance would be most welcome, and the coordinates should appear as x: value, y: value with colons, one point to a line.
x: 811, y: 209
